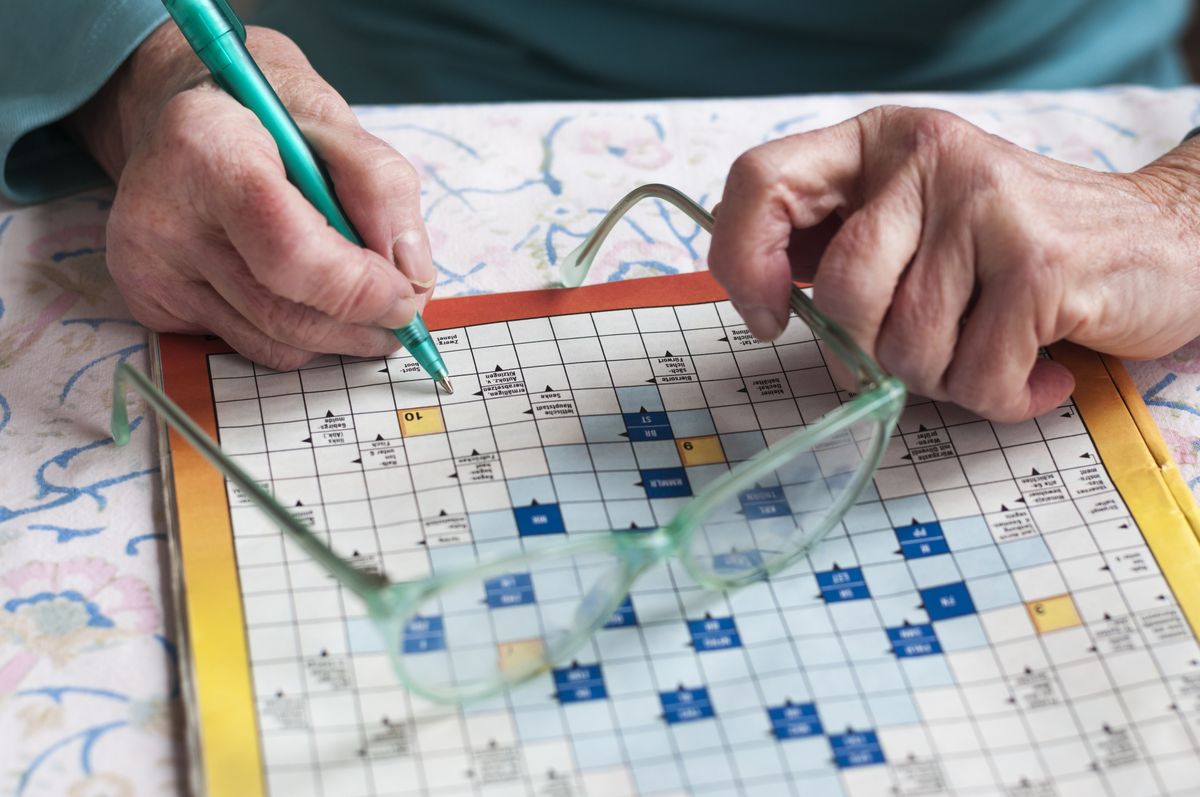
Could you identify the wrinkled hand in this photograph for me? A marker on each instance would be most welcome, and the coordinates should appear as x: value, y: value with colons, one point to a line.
x: 207, y: 234
x: 951, y: 255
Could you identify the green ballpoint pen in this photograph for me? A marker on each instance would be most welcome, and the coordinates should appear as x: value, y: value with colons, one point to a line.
x: 217, y: 35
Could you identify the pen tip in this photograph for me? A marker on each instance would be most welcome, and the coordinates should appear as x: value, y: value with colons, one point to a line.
x: 444, y: 384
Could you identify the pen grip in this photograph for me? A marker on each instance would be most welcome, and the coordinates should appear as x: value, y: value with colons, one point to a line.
x: 237, y: 73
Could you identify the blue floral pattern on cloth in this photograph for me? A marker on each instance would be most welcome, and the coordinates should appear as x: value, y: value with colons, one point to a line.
x: 88, y: 693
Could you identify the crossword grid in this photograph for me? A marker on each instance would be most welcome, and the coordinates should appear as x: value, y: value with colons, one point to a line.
x: 1072, y: 672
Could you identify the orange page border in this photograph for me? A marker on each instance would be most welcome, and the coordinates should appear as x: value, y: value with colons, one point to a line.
x: 229, y: 753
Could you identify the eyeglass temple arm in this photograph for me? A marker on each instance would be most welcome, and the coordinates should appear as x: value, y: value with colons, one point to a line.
x: 365, y: 585
x: 574, y: 267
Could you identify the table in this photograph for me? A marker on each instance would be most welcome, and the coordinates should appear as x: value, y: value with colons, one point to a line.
x: 89, y: 698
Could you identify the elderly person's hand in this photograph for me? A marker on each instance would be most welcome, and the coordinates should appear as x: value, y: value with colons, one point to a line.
x: 951, y: 255
x: 207, y: 234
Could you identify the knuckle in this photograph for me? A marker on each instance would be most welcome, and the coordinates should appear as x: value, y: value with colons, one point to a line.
x: 753, y: 170
x: 182, y: 126
x: 281, y: 356
x: 358, y: 298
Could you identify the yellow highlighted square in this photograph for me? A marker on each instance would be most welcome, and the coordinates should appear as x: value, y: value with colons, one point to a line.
x: 700, y: 450
x: 421, y: 420
x: 520, y: 657
x: 1054, y: 613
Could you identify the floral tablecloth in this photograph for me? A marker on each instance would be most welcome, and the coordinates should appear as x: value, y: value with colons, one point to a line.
x: 89, y: 700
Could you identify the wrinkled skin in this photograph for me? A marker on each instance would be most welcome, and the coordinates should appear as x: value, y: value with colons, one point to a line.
x: 207, y: 234
x: 951, y: 255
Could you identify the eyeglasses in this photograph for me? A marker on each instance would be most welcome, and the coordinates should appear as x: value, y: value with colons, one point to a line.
x: 478, y: 626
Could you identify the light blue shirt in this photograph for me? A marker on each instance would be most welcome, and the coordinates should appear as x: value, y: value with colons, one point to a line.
x: 57, y: 53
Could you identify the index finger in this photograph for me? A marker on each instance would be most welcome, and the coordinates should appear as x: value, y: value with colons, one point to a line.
x: 791, y: 183
x: 293, y: 251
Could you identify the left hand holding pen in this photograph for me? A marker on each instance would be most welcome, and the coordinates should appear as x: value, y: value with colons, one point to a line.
x: 951, y: 255
x: 207, y: 234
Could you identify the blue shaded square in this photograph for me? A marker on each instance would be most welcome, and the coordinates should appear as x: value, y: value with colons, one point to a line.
x: 842, y: 585
x: 921, y: 539
x: 634, y: 398
x: 984, y: 561
x: 539, y: 519
x: 967, y: 532
x: 893, y: 709
x: 691, y: 423
x: 994, y: 592
x: 568, y: 459
x: 1029, y: 552
x: 656, y: 454
x: 934, y: 570
x: 575, y: 487
x: 612, y: 456
x: 794, y: 721
x: 579, y: 683
x: 857, y: 749
x: 764, y: 502
x: 512, y: 589
x: 603, y: 428
x: 643, y: 426
x: 888, y: 579
x: 742, y: 445
x: 714, y: 633
x: 666, y: 483
x: 947, y: 600
x: 624, y: 615
x: 528, y: 489
x: 686, y: 705
x: 961, y: 633
x: 492, y: 525
x: 909, y: 641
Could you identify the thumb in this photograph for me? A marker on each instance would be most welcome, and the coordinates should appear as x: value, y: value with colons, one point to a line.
x: 381, y: 193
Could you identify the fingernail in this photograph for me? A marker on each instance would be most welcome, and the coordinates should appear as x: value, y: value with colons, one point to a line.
x: 401, y: 314
x: 414, y: 259
x: 762, y: 322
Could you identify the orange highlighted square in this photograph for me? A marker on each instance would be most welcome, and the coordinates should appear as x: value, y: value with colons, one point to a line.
x: 700, y: 450
x: 421, y: 420
x: 1051, y: 614
x: 520, y: 657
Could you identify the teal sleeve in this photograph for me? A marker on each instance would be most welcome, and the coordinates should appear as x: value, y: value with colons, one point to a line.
x: 54, y: 55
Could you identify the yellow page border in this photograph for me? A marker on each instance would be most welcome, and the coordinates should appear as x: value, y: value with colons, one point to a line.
x: 1136, y: 456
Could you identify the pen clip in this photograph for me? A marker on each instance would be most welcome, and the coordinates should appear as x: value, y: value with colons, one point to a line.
x: 231, y: 18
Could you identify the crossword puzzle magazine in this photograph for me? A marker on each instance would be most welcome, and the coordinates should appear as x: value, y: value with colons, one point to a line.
x: 1006, y: 610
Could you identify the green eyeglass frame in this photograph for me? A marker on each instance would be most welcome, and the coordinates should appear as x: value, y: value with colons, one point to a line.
x: 392, y: 605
